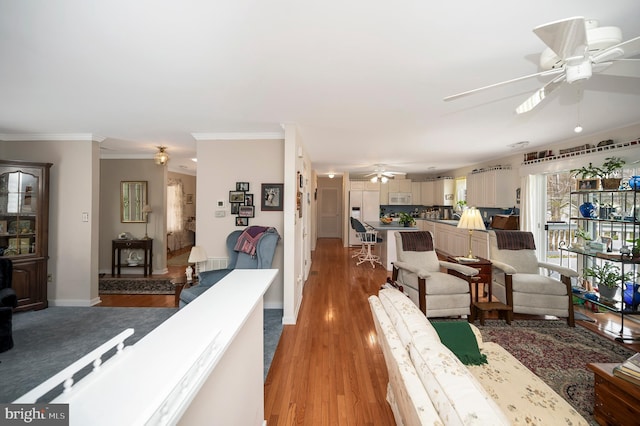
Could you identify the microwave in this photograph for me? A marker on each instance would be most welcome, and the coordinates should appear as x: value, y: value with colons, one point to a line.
x: 400, y: 198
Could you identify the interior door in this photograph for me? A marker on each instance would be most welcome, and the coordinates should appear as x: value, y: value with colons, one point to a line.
x: 329, y: 212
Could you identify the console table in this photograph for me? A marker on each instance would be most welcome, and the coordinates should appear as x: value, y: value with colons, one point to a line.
x: 118, y: 245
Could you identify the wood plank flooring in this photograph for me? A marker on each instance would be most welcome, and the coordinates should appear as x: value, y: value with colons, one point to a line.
x: 328, y: 368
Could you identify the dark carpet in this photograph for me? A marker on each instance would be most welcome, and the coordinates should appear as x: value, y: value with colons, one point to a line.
x: 49, y: 340
x: 126, y: 285
x: 558, y: 354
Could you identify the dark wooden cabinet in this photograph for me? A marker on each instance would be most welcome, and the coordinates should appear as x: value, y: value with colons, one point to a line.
x: 24, y: 229
x: 617, y: 401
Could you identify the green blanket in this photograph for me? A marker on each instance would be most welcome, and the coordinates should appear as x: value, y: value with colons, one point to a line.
x: 459, y: 338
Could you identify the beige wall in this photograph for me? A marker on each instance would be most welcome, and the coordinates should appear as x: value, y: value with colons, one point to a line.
x: 73, y: 244
x: 222, y: 163
x: 112, y: 172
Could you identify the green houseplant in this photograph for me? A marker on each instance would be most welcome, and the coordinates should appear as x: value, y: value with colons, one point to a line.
x: 406, y: 219
x: 586, y: 172
x: 607, y: 277
x: 609, y: 172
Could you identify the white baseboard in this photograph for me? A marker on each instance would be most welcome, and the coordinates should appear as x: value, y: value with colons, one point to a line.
x: 75, y: 302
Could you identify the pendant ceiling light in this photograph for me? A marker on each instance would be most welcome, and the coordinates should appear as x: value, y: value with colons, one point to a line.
x: 161, y: 158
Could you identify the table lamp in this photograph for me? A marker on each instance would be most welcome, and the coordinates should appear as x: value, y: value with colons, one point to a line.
x: 471, y: 219
x: 146, y: 210
x: 196, y: 256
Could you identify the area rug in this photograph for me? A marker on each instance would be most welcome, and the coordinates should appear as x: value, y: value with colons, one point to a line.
x: 558, y: 354
x: 135, y: 286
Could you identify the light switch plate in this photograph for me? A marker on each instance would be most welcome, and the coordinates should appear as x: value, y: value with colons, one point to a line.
x: 220, y: 213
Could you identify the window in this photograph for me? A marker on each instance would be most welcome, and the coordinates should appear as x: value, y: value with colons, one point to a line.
x: 174, y: 207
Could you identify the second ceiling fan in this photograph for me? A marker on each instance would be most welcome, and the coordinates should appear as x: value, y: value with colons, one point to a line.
x: 577, y: 49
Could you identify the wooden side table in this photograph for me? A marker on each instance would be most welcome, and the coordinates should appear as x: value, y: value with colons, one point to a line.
x: 479, y: 309
x: 180, y: 284
x: 118, y: 245
x: 617, y: 401
x: 484, y: 272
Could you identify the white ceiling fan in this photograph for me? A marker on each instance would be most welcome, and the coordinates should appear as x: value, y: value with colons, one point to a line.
x: 381, y: 174
x: 577, y: 49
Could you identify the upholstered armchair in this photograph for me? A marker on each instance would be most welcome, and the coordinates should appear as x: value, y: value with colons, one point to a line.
x: 239, y: 258
x: 8, y: 301
x: 419, y: 271
x: 517, y: 280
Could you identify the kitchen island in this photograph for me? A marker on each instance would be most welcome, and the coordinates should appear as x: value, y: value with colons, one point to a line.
x: 387, y: 248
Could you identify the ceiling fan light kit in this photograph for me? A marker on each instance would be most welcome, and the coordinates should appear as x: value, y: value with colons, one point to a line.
x: 576, y: 49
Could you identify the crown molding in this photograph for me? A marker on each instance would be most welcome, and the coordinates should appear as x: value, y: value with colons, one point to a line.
x: 237, y: 136
x: 23, y: 137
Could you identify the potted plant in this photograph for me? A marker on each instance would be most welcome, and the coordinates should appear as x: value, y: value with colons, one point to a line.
x: 635, y: 249
x: 607, y: 276
x: 586, y: 172
x: 582, y: 238
x: 609, y: 172
x: 406, y: 219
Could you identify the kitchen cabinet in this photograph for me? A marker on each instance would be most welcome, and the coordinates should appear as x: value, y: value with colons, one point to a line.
x: 362, y: 185
x: 443, y: 192
x: 426, y: 193
x: 24, y: 229
x: 384, y: 194
x: 416, y: 195
x: 453, y: 241
x: 399, y: 185
x: 494, y: 187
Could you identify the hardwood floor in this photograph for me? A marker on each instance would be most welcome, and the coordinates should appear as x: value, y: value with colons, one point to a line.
x: 328, y: 368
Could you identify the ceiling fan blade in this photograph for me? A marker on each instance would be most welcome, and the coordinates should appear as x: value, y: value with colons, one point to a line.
x: 623, y: 50
x: 566, y: 37
x: 622, y: 68
x: 540, y: 95
x: 538, y: 74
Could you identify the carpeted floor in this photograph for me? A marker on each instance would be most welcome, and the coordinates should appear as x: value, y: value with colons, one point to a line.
x: 49, y: 340
x: 557, y: 354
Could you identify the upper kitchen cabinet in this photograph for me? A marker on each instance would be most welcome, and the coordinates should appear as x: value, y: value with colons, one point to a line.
x: 427, y: 193
x: 416, y: 194
x: 494, y: 187
x: 443, y: 191
x: 364, y: 185
x: 384, y: 193
x: 399, y: 185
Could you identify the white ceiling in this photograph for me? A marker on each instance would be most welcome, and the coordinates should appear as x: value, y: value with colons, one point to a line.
x: 363, y: 80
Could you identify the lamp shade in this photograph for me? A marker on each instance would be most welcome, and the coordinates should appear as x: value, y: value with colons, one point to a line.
x: 197, y: 255
x: 471, y: 219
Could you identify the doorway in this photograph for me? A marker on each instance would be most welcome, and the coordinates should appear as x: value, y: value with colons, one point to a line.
x: 330, y: 207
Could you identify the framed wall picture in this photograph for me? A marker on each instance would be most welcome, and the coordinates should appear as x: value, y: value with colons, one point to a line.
x: 246, y: 211
x: 189, y: 198
x: 271, y: 195
x: 248, y: 199
x: 587, y: 184
x: 242, y: 221
x: 236, y: 196
x: 235, y: 207
x: 3, y: 227
x: 242, y: 186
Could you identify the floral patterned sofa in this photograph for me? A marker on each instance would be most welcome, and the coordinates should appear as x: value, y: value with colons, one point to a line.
x: 428, y: 385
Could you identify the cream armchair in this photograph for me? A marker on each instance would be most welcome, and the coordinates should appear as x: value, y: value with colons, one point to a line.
x: 517, y: 281
x: 418, y: 271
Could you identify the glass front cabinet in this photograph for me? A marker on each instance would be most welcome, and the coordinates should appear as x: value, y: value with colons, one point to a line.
x: 24, y: 219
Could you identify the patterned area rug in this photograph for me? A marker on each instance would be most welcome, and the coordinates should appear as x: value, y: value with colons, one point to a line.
x: 135, y: 286
x: 557, y: 354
